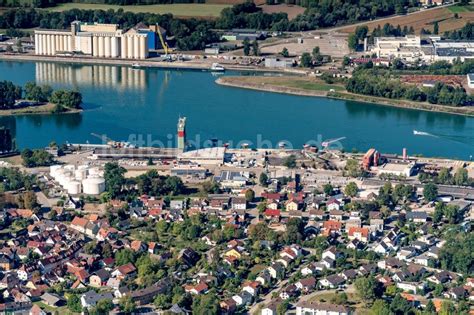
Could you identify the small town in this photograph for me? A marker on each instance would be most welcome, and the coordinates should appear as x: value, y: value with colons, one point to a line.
x: 116, y: 229
x: 262, y: 157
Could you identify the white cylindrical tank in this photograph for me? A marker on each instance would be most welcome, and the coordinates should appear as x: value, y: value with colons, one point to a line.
x: 70, y: 168
x: 59, y: 173
x: 73, y: 187
x: 53, y: 169
x: 93, y: 185
x: 80, y: 173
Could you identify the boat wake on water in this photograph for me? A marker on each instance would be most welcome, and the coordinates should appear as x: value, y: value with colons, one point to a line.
x: 422, y: 133
x: 453, y: 138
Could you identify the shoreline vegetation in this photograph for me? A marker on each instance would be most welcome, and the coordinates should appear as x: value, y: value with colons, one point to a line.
x: 43, y: 109
x: 313, y: 87
x: 35, y: 99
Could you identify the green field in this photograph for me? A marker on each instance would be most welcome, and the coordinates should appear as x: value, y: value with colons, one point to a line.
x: 461, y: 8
x: 183, y: 10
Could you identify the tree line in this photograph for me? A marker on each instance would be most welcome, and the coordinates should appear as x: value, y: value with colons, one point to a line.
x: 63, y: 99
x: 52, y: 3
x: 379, y: 83
x: 247, y: 15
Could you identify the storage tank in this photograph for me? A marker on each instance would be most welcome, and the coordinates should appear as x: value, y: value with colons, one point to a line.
x: 53, y: 169
x: 80, y: 174
x: 70, y: 168
x: 94, y: 171
x: 93, y: 185
x: 73, y: 187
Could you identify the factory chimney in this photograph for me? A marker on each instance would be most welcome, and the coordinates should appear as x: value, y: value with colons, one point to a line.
x: 405, y: 157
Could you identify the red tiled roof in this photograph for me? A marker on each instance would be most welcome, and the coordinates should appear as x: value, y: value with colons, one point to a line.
x: 272, y: 212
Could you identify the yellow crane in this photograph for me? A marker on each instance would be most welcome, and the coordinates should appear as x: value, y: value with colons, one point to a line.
x: 163, y: 43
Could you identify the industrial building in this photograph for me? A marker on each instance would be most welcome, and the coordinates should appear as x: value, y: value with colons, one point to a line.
x: 371, y: 158
x: 397, y: 169
x: 470, y: 80
x: 206, y: 156
x: 97, y: 40
x: 414, y: 48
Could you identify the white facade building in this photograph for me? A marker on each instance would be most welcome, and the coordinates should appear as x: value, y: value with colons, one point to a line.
x: 92, y: 39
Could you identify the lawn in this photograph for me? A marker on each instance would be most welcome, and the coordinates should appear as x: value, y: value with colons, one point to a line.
x: 461, y: 8
x: 181, y: 10
x: 301, y: 83
x: 305, y: 84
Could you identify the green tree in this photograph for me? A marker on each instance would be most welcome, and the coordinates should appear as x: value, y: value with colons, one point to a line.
x: 162, y: 301
x: 306, y: 60
x: 66, y: 99
x: 206, y: 304
x: 365, y: 288
x: 444, y: 176
x: 353, y: 168
x: 436, y: 28
x: 328, y: 189
x: 380, y: 307
x: 246, y: 44
x: 430, y: 192
x: 255, y: 49
x: 400, y: 306
x: 124, y: 256
x: 290, y: 161
x: 249, y: 195
x: 263, y: 179
x: 461, y: 177
x: 102, y: 307
x: 127, y: 305
x: 447, y: 308
x: 74, y: 303
x: 430, y: 308
x: 351, y: 189
x: 361, y: 32
x: 284, y: 52
x: 316, y: 52
x: 352, y: 42
x: 114, y: 178
x: 282, y: 308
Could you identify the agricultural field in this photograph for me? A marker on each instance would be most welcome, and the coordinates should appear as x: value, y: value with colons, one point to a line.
x: 426, y: 19
x: 187, y: 10
x: 292, y: 10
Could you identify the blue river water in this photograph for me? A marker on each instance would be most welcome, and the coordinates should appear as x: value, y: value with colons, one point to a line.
x: 143, y: 106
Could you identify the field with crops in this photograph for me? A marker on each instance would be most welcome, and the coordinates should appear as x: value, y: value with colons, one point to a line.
x: 444, y: 16
x: 199, y: 10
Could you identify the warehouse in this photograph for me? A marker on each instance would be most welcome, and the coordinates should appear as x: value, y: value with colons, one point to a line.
x: 93, y: 39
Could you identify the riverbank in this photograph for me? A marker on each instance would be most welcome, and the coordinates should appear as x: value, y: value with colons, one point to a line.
x: 306, y: 86
x: 195, y: 64
x: 47, y: 108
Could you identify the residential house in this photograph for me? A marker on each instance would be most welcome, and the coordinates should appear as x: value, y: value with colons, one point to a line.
x: 306, y: 284
x: 99, y: 278
x: 332, y: 282
x: 316, y: 308
x: 90, y: 298
x: 362, y: 234
x: 417, y: 216
x: 288, y: 292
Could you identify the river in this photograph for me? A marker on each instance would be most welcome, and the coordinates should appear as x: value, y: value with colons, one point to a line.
x: 143, y: 106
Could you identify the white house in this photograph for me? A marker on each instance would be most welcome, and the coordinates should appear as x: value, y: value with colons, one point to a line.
x: 315, y: 308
